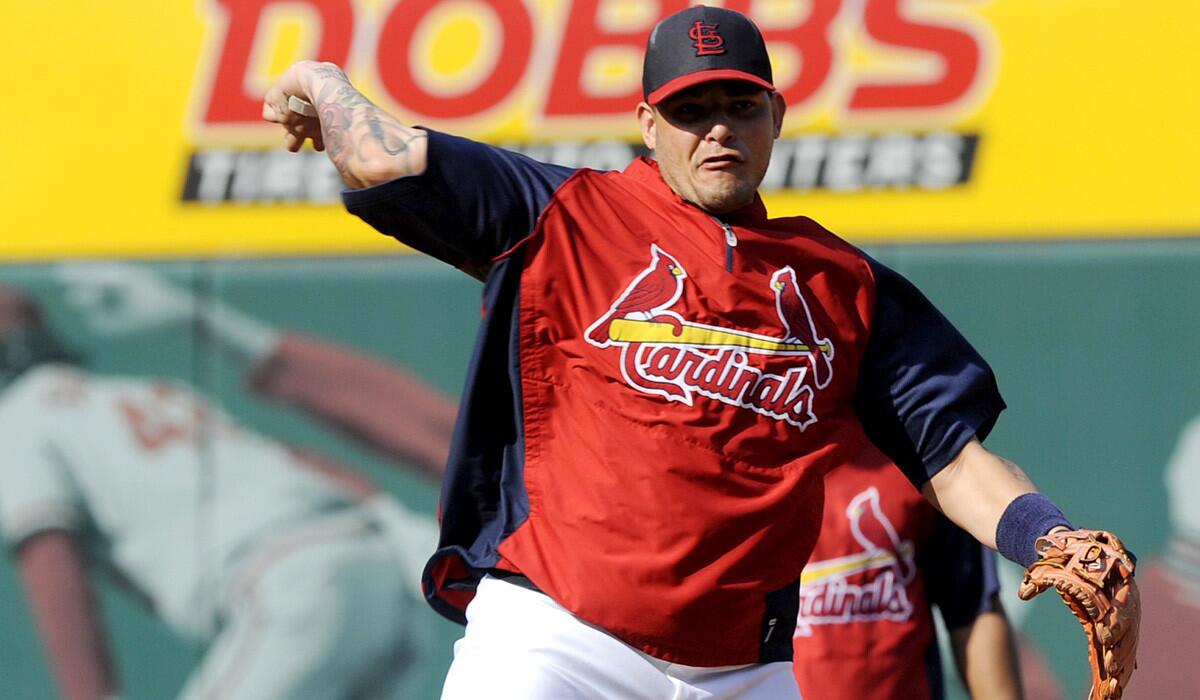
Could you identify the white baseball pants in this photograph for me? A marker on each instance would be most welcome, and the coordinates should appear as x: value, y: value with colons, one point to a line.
x: 521, y: 645
x: 317, y: 613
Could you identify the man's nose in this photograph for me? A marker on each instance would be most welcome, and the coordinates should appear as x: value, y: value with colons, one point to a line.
x: 720, y: 132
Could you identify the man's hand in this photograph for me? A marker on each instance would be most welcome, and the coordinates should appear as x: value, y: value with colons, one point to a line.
x: 118, y: 298
x: 297, y: 81
x: 1093, y: 573
x: 367, y: 145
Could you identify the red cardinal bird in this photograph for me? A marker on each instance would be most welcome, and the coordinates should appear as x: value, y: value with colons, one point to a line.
x: 798, y: 324
x: 646, y: 297
x: 874, y: 532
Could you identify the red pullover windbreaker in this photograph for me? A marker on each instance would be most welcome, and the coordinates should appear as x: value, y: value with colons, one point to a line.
x: 657, y: 394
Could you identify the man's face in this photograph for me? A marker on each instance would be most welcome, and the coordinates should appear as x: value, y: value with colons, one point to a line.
x: 18, y: 318
x: 25, y: 340
x: 713, y: 141
x: 16, y: 311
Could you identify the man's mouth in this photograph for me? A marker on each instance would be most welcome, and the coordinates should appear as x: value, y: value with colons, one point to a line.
x: 721, y: 161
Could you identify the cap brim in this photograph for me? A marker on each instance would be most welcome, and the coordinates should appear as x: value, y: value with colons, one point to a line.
x: 684, y: 82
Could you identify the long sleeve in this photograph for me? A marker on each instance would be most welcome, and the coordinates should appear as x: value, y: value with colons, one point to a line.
x: 472, y: 203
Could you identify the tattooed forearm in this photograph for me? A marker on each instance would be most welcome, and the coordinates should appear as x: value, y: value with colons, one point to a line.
x: 335, y: 124
x: 392, y: 139
x: 328, y: 70
x: 346, y: 96
x: 360, y: 138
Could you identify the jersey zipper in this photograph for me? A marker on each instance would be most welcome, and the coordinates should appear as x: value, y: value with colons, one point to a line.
x: 731, y: 242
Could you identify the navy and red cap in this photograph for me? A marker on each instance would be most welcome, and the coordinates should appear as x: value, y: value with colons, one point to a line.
x: 700, y: 44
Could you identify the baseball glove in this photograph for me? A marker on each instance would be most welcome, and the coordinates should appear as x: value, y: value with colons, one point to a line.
x: 1093, y: 573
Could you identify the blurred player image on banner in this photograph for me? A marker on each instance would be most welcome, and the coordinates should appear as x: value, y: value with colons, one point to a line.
x: 1172, y: 585
x: 884, y: 559
x: 297, y: 575
x: 663, y: 377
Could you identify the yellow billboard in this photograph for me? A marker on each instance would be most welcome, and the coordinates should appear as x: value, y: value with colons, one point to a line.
x: 133, y: 127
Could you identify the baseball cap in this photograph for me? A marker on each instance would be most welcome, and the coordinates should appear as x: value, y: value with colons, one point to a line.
x: 700, y: 44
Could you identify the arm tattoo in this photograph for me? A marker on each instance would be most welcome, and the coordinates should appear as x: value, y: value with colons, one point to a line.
x: 355, y: 131
x: 393, y: 139
x: 325, y: 70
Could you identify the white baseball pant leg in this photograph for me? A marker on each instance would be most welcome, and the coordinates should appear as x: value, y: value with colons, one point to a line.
x: 319, y: 613
x: 521, y: 645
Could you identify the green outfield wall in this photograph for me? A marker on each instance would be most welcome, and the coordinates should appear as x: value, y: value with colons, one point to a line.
x: 1095, y: 345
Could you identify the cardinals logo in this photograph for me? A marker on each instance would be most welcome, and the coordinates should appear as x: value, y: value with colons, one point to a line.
x: 706, y: 39
x: 647, y: 297
x: 867, y: 585
x: 798, y: 324
x: 663, y: 354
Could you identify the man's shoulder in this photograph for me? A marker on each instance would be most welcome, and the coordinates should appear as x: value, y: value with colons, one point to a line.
x: 633, y: 185
x: 816, y: 234
x: 41, y: 385
x: 805, y: 224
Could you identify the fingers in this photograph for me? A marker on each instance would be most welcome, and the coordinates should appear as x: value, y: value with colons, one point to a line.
x: 276, y: 110
x: 297, y: 127
x: 301, y: 106
x: 275, y: 106
x: 276, y: 98
x: 296, y: 134
x: 271, y: 111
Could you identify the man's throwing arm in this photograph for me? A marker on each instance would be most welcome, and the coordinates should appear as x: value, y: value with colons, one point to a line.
x: 463, y: 202
x: 367, y: 145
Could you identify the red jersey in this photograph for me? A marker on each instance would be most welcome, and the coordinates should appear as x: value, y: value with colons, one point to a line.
x: 865, y: 630
x: 657, y: 394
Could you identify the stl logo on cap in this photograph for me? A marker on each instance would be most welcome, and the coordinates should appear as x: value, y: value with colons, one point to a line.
x: 706, y: 39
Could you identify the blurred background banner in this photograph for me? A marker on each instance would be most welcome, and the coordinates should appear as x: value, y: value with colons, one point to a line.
x: 1094, y: 345
x: 136, y: 130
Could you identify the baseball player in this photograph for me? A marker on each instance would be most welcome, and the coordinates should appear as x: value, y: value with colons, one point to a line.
x: 290, y: 569
x: 346, y: 389
x: 662, y: 379
x: 885, y: 557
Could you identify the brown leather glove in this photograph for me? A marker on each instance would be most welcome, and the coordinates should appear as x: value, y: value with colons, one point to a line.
x: 1093, y: 573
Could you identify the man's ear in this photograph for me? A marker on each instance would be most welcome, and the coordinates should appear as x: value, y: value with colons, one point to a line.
x: 778, y: 107
x: 649, y: 123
